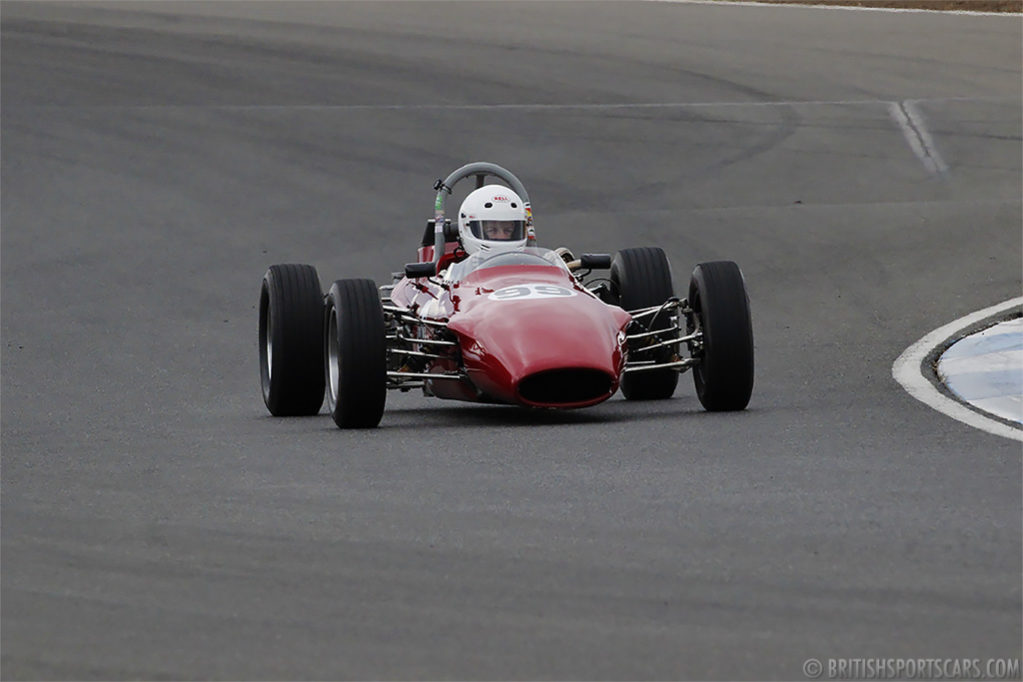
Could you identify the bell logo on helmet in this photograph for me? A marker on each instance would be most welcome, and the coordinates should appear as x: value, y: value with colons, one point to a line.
x: 501, y: 199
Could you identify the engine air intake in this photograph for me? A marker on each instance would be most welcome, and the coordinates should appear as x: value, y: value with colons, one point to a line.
x: 565, y: 387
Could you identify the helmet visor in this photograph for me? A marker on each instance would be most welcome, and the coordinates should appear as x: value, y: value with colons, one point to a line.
x: 498, y: 230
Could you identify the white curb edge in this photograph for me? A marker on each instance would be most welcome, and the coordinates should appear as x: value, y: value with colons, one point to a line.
x: 853, y: 8
x: 908, y: 371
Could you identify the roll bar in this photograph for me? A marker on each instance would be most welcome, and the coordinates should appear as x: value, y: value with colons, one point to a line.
x: 482, y: 170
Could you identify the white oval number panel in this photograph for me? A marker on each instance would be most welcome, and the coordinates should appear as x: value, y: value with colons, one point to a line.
x: 525, y: 292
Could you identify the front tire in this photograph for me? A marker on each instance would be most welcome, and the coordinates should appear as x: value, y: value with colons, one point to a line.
x: 724, y: 375
x: 641, y: 278
x: 290, y: 338
x: 355, y: 354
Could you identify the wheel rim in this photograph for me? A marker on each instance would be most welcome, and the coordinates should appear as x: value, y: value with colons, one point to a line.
x: 697, y: 326
x: 269, y: 343
x: 333, y: 357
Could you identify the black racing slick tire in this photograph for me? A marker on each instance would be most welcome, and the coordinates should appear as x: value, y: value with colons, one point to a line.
x: 291, y: 340
x: 355, y: 354
x: 641, y: 278
x: 724, y: 374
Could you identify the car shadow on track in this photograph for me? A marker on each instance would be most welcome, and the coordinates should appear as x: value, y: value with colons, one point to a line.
x: 512, y: 416
x: 462, y: 415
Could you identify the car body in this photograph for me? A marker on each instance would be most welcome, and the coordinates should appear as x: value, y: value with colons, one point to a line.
x: 524, y: 326
x: 519, y: 319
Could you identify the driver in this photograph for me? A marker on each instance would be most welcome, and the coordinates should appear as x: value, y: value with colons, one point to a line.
x: 492, y: 219
x: 500, y: 230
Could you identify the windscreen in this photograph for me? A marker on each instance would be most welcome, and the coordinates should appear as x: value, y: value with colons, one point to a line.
x: 527, y: 255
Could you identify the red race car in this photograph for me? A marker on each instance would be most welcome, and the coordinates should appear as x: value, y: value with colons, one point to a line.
x: 485, y: 315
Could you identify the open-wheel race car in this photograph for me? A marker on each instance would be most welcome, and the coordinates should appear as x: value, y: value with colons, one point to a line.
x: 485, y: 315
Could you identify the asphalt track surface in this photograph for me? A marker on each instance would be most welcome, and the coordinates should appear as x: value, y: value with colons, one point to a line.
x: 157, y: 523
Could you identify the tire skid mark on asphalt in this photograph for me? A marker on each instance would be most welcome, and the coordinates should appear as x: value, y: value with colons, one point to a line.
x: 905, y: 113
x: 912, y: 370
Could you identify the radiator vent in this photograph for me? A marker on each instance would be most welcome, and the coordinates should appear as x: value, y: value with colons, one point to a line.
x: 565, y: 387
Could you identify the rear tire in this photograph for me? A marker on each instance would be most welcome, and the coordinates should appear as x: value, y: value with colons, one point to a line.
x: 724, y: 375
x: 641, y: 278
x: 355, y: 354
x: 290, y: 340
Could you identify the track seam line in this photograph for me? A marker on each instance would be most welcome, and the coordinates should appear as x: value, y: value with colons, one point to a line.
x: 911, y: 123
x: 509, y: 106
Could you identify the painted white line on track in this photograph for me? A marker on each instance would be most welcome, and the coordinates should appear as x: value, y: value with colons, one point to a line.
x: 753, y: 3
x: 911, y: 123
x: 908, y: 370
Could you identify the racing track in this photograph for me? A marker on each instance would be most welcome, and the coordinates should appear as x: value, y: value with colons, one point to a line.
x: 156, y: 523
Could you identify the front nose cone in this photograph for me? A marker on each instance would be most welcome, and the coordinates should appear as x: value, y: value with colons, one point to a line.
x: 545, y: 355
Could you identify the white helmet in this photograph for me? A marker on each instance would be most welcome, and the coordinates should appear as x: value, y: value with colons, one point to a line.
x: 492, y: 218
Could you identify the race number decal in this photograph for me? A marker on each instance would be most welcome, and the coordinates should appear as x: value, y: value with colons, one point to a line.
x: 525, y: 292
